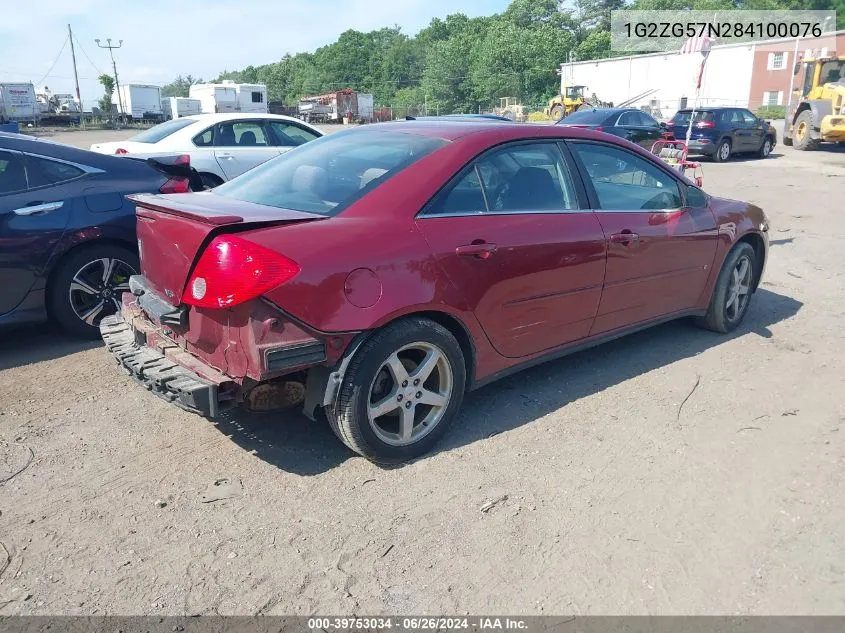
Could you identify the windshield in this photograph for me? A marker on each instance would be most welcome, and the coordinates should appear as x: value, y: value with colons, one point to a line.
x: 682, y: 117
x: 574, y: 92
x: 162, y: 130
x: 328, y: 174
x: 832, y: 72
x: 586, y: 117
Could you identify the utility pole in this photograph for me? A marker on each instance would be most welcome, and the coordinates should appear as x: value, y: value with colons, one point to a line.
x: 110, y: 48
x: 76, y: 78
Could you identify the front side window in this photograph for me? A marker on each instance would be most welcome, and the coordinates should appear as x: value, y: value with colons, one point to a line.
x: 327, y: 175
x: 623, y: 181
x: 12, y: 173
x: 646, y: 120
x: 290, y: 135
x: 522, y: 178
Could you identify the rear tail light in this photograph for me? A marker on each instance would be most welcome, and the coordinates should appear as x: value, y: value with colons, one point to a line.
x: 120, y: 150
x: 233, y: 270
x: 706, y: 124
x: 670, y: 123
x: 177, y: 184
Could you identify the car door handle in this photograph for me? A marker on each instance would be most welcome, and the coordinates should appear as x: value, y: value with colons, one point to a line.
x: 39, y: 209
x: 226, y: 156
x: 626, y: 238
x: 481, y: 250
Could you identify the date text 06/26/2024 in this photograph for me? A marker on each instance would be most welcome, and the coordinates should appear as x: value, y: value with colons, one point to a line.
x: 417, y: 624
x: 656, y: 31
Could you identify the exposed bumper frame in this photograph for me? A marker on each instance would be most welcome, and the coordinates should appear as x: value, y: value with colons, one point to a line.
x: 159, y: 372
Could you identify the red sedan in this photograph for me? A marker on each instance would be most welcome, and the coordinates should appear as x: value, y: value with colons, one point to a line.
x: 377, y: 274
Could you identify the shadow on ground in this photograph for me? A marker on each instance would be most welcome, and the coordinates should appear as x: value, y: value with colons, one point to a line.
x: 25, y: 345
x: 294, y: 444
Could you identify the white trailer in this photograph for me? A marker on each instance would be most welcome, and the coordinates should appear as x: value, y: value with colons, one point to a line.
x: 215, y: 98
x: 19, y: 103
x: 140, y: 102
x: 175, y: 107
x: 252, y: 98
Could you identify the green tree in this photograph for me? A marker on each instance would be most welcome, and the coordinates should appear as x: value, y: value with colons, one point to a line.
x: 107, y: 82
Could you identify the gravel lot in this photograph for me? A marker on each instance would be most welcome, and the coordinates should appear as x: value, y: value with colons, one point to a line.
x: 675, y: 471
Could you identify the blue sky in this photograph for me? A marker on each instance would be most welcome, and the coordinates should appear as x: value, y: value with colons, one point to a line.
x: 162, y: 39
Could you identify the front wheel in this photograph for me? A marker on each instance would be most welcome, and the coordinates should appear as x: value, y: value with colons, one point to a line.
x: 88, y: 286
x: 765, y: 148
x: 732, y: 293
x: 557, y: 112
x: 401, y: 391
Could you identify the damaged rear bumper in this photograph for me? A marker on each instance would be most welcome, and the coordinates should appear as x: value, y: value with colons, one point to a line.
x: 162, y: 369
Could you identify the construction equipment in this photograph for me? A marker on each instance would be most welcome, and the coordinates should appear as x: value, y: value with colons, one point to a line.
x: 572, y: 99
x: 511, y: 109
x: 818, y: 114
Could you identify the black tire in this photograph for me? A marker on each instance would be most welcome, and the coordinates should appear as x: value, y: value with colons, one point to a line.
x: 718, y: 317
x: 210, y: 181
x: 787, y: 140
x: 61, y: 297
x: 557, y: 112
x: 805, y: 143
x: 722, y: 155
x: 765, y: 148
x: 350, y: 420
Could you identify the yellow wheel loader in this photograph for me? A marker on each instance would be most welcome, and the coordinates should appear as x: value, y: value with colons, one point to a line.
x: 818, y: 113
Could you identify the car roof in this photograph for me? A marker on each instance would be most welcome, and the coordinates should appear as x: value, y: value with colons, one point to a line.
x: 712, y: 108
x: 228, y: 116
x: 451, y: 130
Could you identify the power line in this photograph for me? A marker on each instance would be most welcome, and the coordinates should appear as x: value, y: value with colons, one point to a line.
x: 90, y: 61
x: 55, y: 61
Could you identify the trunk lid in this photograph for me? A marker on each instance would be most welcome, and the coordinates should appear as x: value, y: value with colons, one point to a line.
x: 174, y: 229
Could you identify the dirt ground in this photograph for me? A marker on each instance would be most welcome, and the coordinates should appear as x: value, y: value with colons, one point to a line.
x: 675, y: 471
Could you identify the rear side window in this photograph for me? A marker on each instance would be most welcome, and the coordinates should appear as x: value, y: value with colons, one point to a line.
x: 240, y: 134
x: 204, y: 138
x: 626, y: 182
x: 523, y: 178
x: 50, y: 172
x: 161, y: 131
x: 12, y: 173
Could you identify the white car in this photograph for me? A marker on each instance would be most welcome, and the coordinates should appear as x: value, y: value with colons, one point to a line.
x: 221, y: 146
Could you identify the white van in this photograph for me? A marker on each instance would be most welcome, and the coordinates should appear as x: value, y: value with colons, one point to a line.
x: 19, y: 103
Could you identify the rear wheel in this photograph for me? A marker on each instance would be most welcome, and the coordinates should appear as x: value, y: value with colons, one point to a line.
x: 401, y: 391
x: 803, y: 132
x: 88, y: 286
x: 732, y: 293
x: 723, y: 151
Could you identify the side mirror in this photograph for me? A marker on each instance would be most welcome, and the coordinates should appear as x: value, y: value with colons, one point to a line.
x: 663, y: 125
x: 796, y: 69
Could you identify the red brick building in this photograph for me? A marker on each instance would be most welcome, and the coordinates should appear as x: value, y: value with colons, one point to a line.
x: 774, y: 61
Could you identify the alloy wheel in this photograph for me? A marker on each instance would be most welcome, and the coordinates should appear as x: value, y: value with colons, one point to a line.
x: 767, y: 147
x: 96, y: 289
x: 724, y: 151
x: 410, y: 394
x: 739, y: 289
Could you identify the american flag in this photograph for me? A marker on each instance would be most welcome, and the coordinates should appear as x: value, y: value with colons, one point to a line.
x: 697, y: 44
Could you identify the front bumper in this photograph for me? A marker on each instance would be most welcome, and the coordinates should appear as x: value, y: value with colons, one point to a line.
x: 162, y: 369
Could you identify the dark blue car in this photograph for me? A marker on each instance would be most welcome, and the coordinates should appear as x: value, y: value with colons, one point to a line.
x: 721, y: 132
x: 67, y: 231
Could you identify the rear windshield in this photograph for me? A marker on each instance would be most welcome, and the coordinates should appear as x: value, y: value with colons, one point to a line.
x: 586, y: 117
x: 162, y: 130
x: 328, y: 174
x: 682, y: 117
